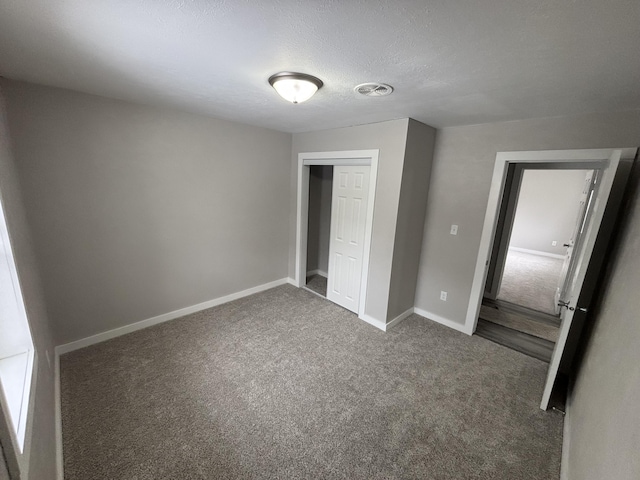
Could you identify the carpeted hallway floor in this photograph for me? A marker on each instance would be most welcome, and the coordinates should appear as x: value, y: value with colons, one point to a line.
x: 284, y: 384
x: 531, y: 281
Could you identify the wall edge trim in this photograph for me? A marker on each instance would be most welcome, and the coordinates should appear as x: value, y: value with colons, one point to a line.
x: 373, y: 321
x: 165, y: 317
x: 537, y: 252
x: 399, y: 318
x: 443, y: 321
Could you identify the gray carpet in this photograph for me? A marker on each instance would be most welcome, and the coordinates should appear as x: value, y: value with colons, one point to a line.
x: 284, y: 384
x: 318, y: 284
x: 531, y: 281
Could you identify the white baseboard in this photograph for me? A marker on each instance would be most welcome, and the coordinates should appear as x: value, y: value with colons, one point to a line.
x: 399, y: 319
x: 537, y: 252
x: 117, y: 332
x: 372, y: 321
x: 322, y: 273
x: 58, y: 417
x: 444, y: 321
x: 386, y: 326
x: 292, y: 281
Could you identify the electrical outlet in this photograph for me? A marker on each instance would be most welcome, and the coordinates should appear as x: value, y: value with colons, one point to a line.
x: 443, y: 296
x: 554, y: 243
x: 454, y: 229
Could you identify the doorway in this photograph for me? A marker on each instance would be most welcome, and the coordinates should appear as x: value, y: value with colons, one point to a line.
x: 551, y: 211
x: 539, y: 229
x: 319, y: 229
x: 610, y: 183
x: 351, y: 178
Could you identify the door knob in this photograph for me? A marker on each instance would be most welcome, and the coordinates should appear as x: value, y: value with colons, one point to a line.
x: 566, y: 244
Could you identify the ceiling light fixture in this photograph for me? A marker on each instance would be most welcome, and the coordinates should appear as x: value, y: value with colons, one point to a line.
x: 295, y: 87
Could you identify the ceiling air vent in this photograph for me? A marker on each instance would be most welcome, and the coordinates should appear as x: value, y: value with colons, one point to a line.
x: 374, y: 89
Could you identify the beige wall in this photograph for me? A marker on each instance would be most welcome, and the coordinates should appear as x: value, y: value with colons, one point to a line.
x: 411, y: 213
x: 459, y: 190
x: 604, y: 417
x: 547, y: 209
x: 138, y: 211
x: 390, y: 138
x: 39, y: 457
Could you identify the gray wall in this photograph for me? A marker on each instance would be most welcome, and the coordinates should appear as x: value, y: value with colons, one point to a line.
x: 547, y: 209
x: 39, y: 456
x: 4, y: 474
x: 411, y: 212
x: 320, y: 191
x: 390, y: 138
x: 459, y: 190
x: 604, y: 418
x: 137, y: 211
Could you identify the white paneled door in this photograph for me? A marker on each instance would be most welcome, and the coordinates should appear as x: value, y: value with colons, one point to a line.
x: 348, y: 222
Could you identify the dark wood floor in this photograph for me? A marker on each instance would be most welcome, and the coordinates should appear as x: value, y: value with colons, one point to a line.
x: 519, y: 328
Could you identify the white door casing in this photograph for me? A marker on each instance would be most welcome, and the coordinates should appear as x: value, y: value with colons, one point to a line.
x: 335, y: 158
x: 605, y: 159
x: 348, y: 227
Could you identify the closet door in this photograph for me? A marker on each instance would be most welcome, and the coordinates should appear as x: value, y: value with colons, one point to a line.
x: 346, y: 246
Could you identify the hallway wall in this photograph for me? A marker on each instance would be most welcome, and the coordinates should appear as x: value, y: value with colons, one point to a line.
x: 459, y: 191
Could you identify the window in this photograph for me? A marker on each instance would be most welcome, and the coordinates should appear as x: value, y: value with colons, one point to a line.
x: 16, y: 344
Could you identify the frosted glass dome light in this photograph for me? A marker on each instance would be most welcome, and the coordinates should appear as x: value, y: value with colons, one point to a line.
x: 295, y: 87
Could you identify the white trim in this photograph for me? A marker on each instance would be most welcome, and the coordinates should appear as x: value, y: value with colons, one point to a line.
x: 339, y: 162
x: 503, y: 159
x: 302, y: 222
x: 398, y: 319
x: 443, y: 321
x: 372, y: 321
x: 332, y: 158
x: 537, y: 252
x: 117, y: 332
x: 345, y: 157
x: 291, y: 281
x: 58, y: 417
x: 322, y: 273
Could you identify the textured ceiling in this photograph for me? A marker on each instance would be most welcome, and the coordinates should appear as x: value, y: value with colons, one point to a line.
x: 452, y: 62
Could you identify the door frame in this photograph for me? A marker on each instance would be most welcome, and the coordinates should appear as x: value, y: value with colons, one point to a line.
x: 594, y: 157
x: 507, y: 214
x: 335, y: 158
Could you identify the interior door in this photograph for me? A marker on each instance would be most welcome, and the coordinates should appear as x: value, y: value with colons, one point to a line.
x: 346, y: 246
x: 568, y: 266
x: 576, y: 280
